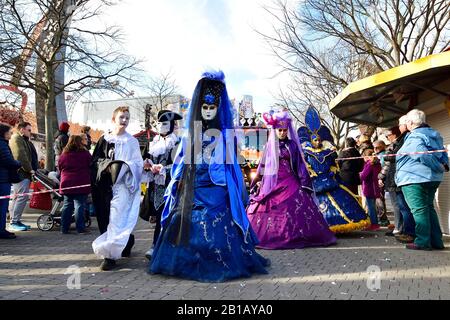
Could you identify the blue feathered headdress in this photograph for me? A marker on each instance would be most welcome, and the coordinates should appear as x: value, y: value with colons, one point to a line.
x: 314, y: 128
x: 211, y: 89
x: 214, y: 75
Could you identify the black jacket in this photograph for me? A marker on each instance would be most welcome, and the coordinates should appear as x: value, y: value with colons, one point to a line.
x: 387, y: 174
x: 350, y: 169
x: 89, y: 139
x: 34, y: 156
x: 8, y: 166
x: 61, y: 139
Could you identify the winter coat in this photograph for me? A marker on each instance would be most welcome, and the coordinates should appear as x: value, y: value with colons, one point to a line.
x: 22, y: 152
x: 369, y: 179
x: 421, y: 168
x: 61, y: 140
x: 350, y: 169
x: 7, y: 163
x: 75, y: 171
x: 387, y: 174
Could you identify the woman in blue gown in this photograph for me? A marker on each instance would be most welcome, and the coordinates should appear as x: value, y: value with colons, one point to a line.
x: 340, y: 207
x: 206, y: 235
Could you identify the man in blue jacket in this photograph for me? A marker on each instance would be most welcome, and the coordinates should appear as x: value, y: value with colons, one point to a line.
x: 419, y: 177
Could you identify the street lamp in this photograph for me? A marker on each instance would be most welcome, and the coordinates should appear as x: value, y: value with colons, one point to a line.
x: 148, y: 116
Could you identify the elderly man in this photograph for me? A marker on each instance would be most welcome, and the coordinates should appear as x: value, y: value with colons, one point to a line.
x: 419, y: 176
x: 402, y: 126
x: 24, y: 152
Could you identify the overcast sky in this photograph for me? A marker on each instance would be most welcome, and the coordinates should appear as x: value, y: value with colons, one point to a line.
x: 188, y: 36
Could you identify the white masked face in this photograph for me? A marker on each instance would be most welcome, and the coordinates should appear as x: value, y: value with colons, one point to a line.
x: 209, y: 111
x: 163, y: 127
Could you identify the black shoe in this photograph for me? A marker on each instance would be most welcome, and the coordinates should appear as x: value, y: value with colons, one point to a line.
x: 7, y: 235
x: 127, y: 251
x: 384, y: 223
x: 108, y: 264
x: 413, y: 246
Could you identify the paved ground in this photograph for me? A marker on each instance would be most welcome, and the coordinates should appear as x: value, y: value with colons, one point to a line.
x: 34, y: 266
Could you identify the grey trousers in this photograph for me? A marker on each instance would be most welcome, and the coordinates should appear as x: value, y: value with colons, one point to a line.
x: 18, y: 204
x: 398, y: 218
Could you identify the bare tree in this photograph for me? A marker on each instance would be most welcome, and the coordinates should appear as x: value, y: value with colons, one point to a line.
x: 324, y: 45
x: 161, y: 88
x: 389, y: 32
x: 317, y: 73
x: 42, y: 39
x: 303, y: 92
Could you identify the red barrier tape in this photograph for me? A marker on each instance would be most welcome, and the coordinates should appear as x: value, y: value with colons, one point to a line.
x: 393, y: 155
x: 40, y: 192
x: 338, y: 159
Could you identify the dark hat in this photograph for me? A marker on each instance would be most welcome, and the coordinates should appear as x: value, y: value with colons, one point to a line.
x: 167, y: 115
x: 213, y: 92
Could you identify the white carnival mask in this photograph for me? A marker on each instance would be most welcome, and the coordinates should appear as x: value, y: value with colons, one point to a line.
x: 163, y: 127
x: 209, y: 111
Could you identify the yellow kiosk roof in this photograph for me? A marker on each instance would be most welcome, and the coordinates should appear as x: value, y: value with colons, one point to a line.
x: 382, y: 98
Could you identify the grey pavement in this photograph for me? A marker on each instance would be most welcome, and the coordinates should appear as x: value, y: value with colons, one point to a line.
x: 362, y: 266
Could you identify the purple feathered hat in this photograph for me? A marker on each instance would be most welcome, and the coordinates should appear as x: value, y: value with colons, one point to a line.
x: 277, y: 120
x: 268, y: 167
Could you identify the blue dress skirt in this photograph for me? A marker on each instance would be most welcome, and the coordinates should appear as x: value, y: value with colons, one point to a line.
x: 217, y: 251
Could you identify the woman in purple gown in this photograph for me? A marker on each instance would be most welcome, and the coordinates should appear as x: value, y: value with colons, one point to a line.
x: 282, y: 210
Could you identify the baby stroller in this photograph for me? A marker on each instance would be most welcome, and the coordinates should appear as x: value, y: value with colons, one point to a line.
x: 47, y: 221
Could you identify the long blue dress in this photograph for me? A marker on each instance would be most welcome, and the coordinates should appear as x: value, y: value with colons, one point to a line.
x: 217, y: 251
x: 338, y: 204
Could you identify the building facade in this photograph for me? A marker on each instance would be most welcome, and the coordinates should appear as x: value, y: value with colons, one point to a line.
x: 97, y: 114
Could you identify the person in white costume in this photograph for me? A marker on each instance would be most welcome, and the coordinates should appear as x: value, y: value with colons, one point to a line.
x: 158, y: 162
x: 117, y: 171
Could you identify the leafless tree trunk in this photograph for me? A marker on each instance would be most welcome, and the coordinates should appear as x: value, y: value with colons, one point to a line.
x: 51, y: 121
x: 326, y: 44
x: 162, y: 87
x: 389, y: 32
x: 60, y: 39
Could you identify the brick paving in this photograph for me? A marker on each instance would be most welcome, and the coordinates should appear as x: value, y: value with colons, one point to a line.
x: 34, y: 267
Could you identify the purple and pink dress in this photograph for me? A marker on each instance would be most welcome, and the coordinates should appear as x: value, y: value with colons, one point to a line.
x: 287, y: 216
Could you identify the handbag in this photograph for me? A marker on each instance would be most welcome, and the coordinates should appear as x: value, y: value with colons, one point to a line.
x: 144, y: 209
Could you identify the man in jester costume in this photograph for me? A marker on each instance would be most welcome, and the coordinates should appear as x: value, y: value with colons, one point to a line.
x: 340, y: 207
